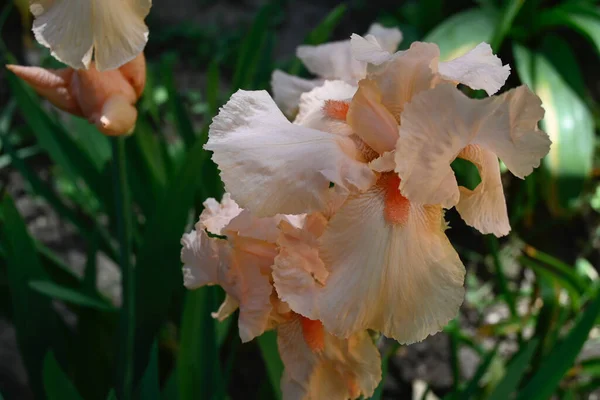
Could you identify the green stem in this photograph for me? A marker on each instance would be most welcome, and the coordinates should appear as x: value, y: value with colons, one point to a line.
x: 127, y: 321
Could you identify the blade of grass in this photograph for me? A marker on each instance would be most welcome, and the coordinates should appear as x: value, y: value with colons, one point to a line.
x: 514, y: 372
x: 68, y: 295
x: 501, y: 281
x: 158, y: 267
x: 385, y: 361
x: 32, y: 312
x: 127, y: 321
x: 150, y: 384
x: 561, y: 358
x: 252, y: 48
x: 270, y: 354
x: 473, y: 385
x: 510, y: 11
x: 82, y: 222
x: 198, y: 363
x: 181, y: 118
x: 320, y: 33
x: 56, y: 382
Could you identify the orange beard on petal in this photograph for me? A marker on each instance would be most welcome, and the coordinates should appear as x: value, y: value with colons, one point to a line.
x: 336, y: 109
x: 314, y: 334
x: 397, y: 206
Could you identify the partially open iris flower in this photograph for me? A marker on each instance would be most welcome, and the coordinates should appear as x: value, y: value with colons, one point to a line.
x: 381, y: 153
x: 106, y: 99
x: 235, y: 250
x: 112, y: 31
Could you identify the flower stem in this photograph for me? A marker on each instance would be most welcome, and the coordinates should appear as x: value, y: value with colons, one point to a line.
x: 127, y: 320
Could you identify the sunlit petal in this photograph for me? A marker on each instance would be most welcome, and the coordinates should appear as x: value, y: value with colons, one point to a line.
x: 241, y: 266
x: 64, y: 26
x: 216, y: 215
x: 478, y: 69
x: 271, y: 166
x: 390, y: 268
x: 429, y: 141
x: 314, y: 113
x: 343, y: 369
x: 405, y: 74
x: 370, y: 120
x: 485, y: 207
x: 287, y: 90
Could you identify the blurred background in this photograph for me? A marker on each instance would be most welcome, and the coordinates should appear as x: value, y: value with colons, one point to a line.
x: 529, y: 326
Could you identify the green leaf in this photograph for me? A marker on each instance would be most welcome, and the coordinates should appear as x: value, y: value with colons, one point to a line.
x: 268, y: 348
x: 546, y: 379
x: 198, y: 363
x: 158, y: 267
x: 514, y: 372
x: 252, y: 48
x: 84, y: 224
x: 181, y: 117
x: 509, y: 12
x: 32, y: 312
x: 56, y: 382
x: 462, y: 32
x: 473, y: 385
x: 576, y: 18
x: 150, y: 384
x: 61, y: 147
x: 68, y: 295
x: 170, y: 390
x: 385, y: 361
x: 569, y: 124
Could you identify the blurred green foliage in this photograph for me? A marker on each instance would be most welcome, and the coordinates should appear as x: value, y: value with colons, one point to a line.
x: 131, y: 199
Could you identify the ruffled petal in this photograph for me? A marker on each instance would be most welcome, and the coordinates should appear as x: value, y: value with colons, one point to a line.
x: 505, y: 125
x: 345, y: 368
x: 120, y: 33
x: 478, y: 69
x: 314, y: 112
x: 370, y: 120
x: 298, y: 271
x: 512, y: 134
x: 368, y: 49
x: 287, y: 90
x: 241, y: 266
x: 216, y: 216
x: 64, y: 26
x: 332, y: 60
x: 405, y: 74
x: 403, y: 279
x: 271, y: 166
x: 485, y: 207
x: 388, y: 38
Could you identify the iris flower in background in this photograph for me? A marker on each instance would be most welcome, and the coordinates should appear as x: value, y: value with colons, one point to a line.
x: 329, y: 61
x: 236, y: 250
x: 382, y: 261
x: 106, y: 99
x: 112, y: 31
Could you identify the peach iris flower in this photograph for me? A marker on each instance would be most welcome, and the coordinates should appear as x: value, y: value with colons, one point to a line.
x: 382, y: 261
x: 106, y: 99
x: 235, y: 250
x: 331, y: 61
x: 113, y: 31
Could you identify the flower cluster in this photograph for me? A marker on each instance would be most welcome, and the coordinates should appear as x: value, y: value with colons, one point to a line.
x: 114, y: 34
x: 338, y: 224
